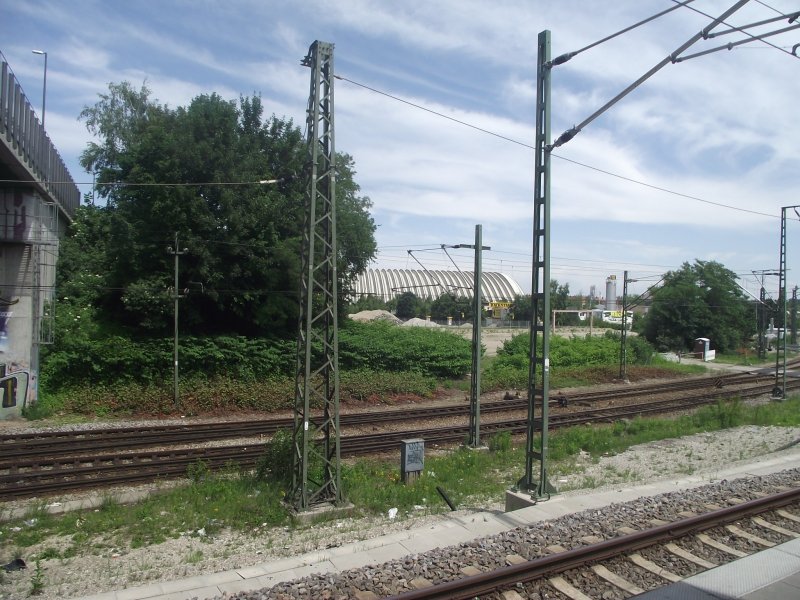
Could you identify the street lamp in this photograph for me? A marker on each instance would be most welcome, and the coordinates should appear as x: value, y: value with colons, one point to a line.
x: 44, y: 85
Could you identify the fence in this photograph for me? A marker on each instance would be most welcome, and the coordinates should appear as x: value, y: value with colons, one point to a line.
x: 22, y: 133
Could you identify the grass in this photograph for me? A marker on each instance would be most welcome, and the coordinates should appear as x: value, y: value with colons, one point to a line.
x: 239, y: 501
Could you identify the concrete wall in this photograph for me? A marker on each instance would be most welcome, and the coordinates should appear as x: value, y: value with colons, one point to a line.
x: 28, y: 245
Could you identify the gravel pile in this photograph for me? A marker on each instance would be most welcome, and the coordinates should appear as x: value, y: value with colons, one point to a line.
x: 119, y: 568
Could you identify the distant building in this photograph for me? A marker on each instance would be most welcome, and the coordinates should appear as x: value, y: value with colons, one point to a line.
x: 387, y: 284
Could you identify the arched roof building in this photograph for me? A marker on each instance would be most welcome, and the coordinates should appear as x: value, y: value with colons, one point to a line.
x: 390, y: 283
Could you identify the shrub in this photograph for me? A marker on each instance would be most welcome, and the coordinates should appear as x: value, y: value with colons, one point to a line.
x: 387, y: 347
x: 275, y: 464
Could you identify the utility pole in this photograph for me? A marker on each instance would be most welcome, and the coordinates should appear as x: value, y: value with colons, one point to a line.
x: 762, y: 312
x: 176, y: 297
x: 793, y: 338
x: 779, y: 391
x: 477, y: 309
x: 623, y: 351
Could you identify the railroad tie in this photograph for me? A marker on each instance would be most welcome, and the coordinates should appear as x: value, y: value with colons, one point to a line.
x: 470, y: 571
x: 777, y: 528
x: 625, y: 530
x: 512, y: 595
x: 709, y: 541
x: 787, y: 515
x: 616, y: 580
x: 420, y: 583
x: 641, y: 561
x: 592, y: 539
x: 686, y: 555
x: 749, y: 536
x: 566, y: 588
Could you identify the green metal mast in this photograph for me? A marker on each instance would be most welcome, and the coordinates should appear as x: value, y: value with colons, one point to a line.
x: 477, y: 309
x: 316, y: 464
x: 779, y: 391
x: 539, y: 374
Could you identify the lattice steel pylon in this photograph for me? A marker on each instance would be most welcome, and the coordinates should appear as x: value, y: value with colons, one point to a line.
x: 316, y: 462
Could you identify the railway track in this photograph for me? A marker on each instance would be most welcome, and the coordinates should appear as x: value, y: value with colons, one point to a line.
x: 48, y: 443
x: 80, y: 468
x: 617, y: 566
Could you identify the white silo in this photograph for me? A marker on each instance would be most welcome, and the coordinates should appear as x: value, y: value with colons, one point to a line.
x: 611, y: 292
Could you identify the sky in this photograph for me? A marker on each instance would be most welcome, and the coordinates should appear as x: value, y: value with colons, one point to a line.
x: 696, y: 163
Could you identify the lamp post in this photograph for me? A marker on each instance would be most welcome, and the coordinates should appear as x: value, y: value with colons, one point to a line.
x: 44, y: 84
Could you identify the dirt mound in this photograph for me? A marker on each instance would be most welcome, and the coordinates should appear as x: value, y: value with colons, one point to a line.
x: 415, y: 322
x: 375, y: 315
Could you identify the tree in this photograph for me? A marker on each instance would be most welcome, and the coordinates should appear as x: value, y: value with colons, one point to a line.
x: 700, y: 300
x: 407, y: 305
x: 522, y: 308
x: 243, y: 239
x: 447, y: 305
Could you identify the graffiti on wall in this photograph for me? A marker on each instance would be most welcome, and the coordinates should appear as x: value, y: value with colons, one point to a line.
x: 14, y: 380
x: 13, y: 392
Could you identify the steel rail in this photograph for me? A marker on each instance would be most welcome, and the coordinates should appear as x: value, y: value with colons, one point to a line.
x: 30, y: 478
x: 493, y: 581
x: 29, y: 444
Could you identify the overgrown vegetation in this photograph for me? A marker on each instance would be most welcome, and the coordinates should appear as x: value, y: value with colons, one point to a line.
x: 378, y: 362
x: 252, y: 502
x: 120, y: 376
x: 573, y: 361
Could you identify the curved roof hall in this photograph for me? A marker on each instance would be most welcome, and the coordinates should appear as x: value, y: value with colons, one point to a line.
x: 390, y: 283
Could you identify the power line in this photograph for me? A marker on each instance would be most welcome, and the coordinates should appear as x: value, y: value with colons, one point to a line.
x: 661, y: 189
x: 531, y: 147
x: 764, y: 4
x: 565, y: 57
x: 791, y: 18
x: 151, y: 184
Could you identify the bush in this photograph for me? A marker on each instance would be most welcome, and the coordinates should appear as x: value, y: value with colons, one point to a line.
x: 387, y: 347
x: 510, y: 368
x: 276, y: 464
x: 500, y: 442
x: 150, y: 361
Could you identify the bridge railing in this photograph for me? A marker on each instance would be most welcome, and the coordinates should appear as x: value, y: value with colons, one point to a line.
x: 21, y: 130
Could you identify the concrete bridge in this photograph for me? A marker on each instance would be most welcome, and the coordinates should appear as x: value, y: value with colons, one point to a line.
x: 38, y: 199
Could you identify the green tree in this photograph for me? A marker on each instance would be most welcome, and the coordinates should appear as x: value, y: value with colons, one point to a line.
x: 447, y: 305
x: 243, y: 239
x: 522, y: 308
x: 408, y: 305
x: 699, y: 300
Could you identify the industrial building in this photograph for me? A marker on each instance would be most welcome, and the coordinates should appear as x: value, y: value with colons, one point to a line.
x: 387, y: 284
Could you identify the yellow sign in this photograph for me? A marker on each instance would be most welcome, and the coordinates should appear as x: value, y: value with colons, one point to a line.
x: 494, y: 305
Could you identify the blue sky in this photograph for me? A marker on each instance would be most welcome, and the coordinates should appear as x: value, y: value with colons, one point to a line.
x: 723, y: 129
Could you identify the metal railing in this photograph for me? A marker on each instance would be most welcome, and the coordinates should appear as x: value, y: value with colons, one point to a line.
x: 22, y: 132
